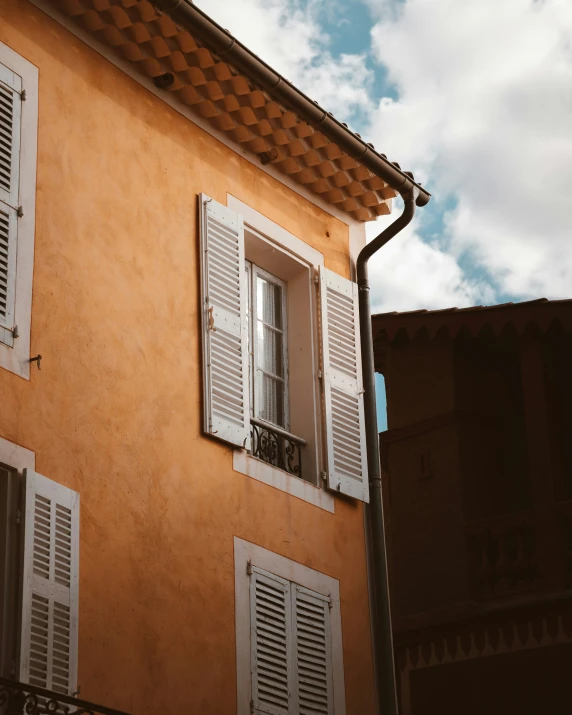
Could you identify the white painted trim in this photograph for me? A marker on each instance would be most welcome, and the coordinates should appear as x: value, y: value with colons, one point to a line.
x: 16, y: 359
x: 293, y: 571
x: 47, y: 587
x: 243, y: 463
x: 263, y: 231
x: 19, y: 458
x: 257, y: 365
x: 343, y: 476
x: 275, y: 233
x: 357, y: 241
x: 168, y: 98
x: 231, y: 320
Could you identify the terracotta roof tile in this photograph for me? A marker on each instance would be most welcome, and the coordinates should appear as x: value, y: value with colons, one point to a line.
x: 231, y: 102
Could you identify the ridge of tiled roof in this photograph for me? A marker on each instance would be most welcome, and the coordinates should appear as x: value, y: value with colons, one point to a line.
x: 541, y: 312
x: 440, y: 311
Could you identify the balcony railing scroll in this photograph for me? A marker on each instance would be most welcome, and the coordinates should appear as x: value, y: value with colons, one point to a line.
x: 276, y: 446
x: 24, y: 699
x: 503, y: 555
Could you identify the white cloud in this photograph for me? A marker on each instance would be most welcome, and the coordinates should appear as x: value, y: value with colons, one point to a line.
x: 409, y: 274
x: 288, y: 36
x: 485, y: 113
x: 483, y: 116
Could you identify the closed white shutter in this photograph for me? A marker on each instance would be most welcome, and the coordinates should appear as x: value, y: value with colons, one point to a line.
x: 10, y: 116
x: 343, y: 393
x: 225, y: 339
x: 48, y: 650
x: 312, y: 651
x: 271, y: 644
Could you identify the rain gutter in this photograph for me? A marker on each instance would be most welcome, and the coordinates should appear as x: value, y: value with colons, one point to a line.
x: 382, y: 631
x: 184, y: 13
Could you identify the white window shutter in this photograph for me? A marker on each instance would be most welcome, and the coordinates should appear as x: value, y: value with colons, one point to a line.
x: 271, y: 645
x: 10, y: 118
x: 312, y: 652
x: 225, y: 339
x: 48, y: 644
x: 343, y: 392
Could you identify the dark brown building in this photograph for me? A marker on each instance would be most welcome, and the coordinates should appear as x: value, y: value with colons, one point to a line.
x: 478, y: 467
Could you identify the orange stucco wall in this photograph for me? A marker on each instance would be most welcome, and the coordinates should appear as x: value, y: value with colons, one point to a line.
x: 114, y: 412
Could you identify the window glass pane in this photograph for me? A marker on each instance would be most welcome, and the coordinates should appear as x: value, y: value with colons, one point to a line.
x: 267, y: 325
x: 269, y: 302
x: 271, y: 399
x: 269, y: 350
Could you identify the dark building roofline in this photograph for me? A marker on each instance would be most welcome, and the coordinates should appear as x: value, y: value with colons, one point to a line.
x: 449, y: 322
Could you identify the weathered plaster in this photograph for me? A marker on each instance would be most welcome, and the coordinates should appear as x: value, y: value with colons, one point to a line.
x: 114, y: 413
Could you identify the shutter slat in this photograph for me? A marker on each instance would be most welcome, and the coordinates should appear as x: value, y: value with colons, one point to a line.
x: 8, y: 234
x: 271, y: 644
x: 291, y: 649
x: 312, y: 651
x: 225, y: 350
x: 10, y: 116
x: 343, y: 395
x: 48, y: 656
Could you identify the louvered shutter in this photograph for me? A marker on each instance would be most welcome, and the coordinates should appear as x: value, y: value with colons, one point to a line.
x: 10, y: 115
x: 271, y: 644
x: 225, y: 339
x: 48, y: 646
x: 343, y: 394
x: 312, y: 651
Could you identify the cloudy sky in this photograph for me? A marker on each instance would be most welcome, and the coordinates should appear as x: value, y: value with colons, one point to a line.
x: 474, y: 97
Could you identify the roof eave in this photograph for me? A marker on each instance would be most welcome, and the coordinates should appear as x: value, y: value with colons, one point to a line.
x: 225, y: 45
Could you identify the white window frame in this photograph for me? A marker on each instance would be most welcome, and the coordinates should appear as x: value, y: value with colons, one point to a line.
x: 19, y: 458
x: 16, y: 358
x: 252, y: 272
x: 245, y: 554
x: 277, y: 238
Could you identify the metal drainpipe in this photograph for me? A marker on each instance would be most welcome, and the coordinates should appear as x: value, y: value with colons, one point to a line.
x: 383, y: 638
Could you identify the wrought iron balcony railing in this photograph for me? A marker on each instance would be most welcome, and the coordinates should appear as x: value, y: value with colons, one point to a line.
x: 23, y: 699
x: 503, y: 555
x: 277, y: 447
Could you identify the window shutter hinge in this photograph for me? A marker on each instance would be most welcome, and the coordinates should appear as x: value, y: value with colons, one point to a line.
x: 20, y: 211
x: 18, y: 517
x: 316, y: 278
x: 23, y: 95
x: 324, y: 476
x: 249, y: 567
x: 15, y: 332
x: 330, y: 604
x: 320, y: 374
